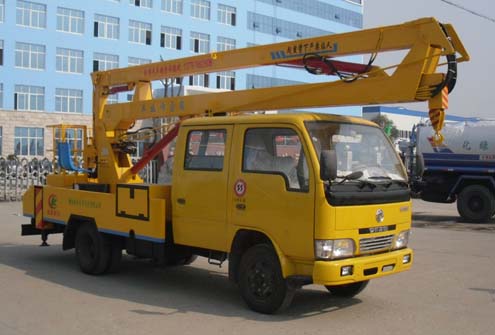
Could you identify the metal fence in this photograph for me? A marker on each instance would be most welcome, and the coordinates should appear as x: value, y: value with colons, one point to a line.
x: 17, y: 174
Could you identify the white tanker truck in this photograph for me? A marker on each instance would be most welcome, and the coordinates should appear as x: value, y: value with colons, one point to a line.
x: 460, y: 169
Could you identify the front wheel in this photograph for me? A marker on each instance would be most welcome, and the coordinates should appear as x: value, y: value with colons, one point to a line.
x: 348, y: 290
x: 261, y: 283
x: 476, y: 203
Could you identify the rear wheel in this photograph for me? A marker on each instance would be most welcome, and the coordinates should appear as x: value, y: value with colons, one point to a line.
x: 261, y: 283
x: 93, y: 250
x: 348, y: 290
x: 476, y: 203
x: 115, y: 255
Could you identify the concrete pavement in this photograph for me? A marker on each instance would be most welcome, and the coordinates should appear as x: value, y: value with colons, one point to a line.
x: 450, y: 290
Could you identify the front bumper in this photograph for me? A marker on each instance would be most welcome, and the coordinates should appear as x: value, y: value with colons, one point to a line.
x: 364, y: 268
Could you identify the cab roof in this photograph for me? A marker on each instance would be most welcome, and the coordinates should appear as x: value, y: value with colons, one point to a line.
x: 292, y: 118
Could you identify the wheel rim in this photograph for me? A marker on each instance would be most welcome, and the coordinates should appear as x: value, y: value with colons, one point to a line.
x: 260, y: 280
x: 475, y: 204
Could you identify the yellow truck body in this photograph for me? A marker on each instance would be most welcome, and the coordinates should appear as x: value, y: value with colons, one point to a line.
x: 289, y: 199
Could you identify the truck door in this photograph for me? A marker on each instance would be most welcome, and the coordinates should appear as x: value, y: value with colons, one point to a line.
x: 199, y: 192
x: 271, y: 187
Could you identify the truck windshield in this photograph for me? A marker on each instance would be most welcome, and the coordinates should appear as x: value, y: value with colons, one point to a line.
x: 358, y: 148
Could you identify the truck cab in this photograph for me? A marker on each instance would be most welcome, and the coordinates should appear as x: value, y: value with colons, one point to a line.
x: 241, y: 182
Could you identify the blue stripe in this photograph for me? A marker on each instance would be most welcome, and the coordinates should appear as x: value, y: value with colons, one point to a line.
x: 113, y: 232
x: 453, y: 162
x: 54, y: 221
x: 457, y: 157
x: 457, y: 162
x: 459, y: 169
x: 140, y: 237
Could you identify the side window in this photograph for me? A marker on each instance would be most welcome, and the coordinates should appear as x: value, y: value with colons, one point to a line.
x: 205, y: 150
x: 276, y: 151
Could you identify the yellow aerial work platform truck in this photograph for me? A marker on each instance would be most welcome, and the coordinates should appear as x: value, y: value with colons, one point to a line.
x: 288, y: 199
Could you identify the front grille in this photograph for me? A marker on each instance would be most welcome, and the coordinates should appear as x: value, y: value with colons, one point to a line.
x: 367, y: 245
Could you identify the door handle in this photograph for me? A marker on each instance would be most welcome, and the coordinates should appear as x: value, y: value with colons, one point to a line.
x: 240, y: 206
x: 181, y: 201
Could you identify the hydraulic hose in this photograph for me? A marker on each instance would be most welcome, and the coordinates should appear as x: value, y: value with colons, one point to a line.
x: 451, y: 76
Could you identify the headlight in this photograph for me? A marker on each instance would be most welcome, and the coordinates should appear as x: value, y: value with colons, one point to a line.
x: 334, y: 249
x: 401, y: 240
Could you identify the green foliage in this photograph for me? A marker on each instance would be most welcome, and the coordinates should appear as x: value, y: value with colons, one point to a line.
x: 387, y: 125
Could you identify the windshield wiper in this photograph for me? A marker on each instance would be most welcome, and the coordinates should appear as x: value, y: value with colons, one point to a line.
x: 355, y: 176
x: 388, y: 184
x: 351, y: 176
x: 390, y: 181
x: 368, y: 183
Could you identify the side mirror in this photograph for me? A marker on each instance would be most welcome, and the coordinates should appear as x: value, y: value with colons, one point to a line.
x: 328, y: 165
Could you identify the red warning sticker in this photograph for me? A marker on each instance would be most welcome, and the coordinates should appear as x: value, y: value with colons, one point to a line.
x: 240, y: 187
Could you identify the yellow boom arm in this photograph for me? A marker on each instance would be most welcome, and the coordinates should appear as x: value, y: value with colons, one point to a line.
x: 414, y: 79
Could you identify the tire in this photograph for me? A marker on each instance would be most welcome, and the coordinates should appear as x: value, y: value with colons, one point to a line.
x: 115, y: 255
x: 475, y: 203
x: 348, y: 290
x: 261, y: 283
x: 93, y: 250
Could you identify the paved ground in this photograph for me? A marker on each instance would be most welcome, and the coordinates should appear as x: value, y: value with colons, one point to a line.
x: 433, y: 215
x: 450, y: 290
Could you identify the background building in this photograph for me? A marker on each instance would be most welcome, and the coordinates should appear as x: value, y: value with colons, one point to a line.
x: 49, y: 48
x: 404, y: 119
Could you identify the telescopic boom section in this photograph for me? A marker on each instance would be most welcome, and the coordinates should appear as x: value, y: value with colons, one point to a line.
x: 414, y: 79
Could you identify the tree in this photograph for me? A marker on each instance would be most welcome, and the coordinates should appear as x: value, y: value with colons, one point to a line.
x: 387, y: 125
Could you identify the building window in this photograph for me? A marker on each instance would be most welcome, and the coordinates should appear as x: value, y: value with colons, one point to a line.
x: 106, y: 27
x: 140, y: 32
x: 1, y: 52
x: 31, y: 14
x: 30, y: 56
x: 172, y: 6
x: 70, y: 61
x: 317, y: 8
x: 103, y: 62
x: 200, y: 43
x: 226, y: 15
x: 29, y: 98
x: 200, y: 80
x: 132, y: 61
x: 142, y: 3
x: 200, y: 9
x: 281, y: 28
x: 357, y: 2
x: 171, y: 38
x: 1, y: 141
x: 1, y: 95
x: 28, y: 141
x: 257, y: 81
x: 68, y: 100
x: 70, y: 20
x: 226, y: 80
x: 205, y: 150
x: 224, y: 43
x: 74, y: 137
x: 2, y: 10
